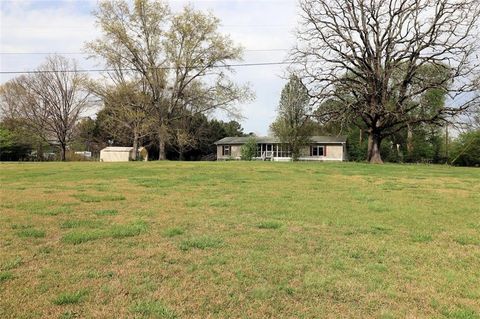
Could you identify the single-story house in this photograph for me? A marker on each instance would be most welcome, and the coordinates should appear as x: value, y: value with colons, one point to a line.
x: 121, y: 154
x: 320, y: 148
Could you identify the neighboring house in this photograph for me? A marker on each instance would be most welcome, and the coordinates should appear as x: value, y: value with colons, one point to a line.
x: 321, y: 148
x: 121, y: 154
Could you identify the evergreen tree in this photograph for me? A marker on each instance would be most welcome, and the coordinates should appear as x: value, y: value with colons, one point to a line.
x: 293, y: 126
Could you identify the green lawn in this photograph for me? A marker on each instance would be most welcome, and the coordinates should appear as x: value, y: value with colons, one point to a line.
x: 239, y: 240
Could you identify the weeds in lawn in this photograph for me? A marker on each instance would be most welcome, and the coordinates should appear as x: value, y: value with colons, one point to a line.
x: 5, y: 275
x: 174, y: 231
x: 130, y: 230
x: 12, y: 264
x: 200, y: 243
x: 79, y: 237
x: 106, y: 212
x: 18, y: 226
x: 269, y: 225
x: 116, y: 231
x: 421, y: 238
x: 467, y: 240
x: 56, y: 211
x: 153, y: 309
x: 31, y: 233
x: 69, y: 315
x: 98, y: 198
x: 82, y: 224
x: 70, y: 298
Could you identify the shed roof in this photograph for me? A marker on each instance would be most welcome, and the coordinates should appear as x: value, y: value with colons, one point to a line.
x: 117, y: 149
x: 274, y: 140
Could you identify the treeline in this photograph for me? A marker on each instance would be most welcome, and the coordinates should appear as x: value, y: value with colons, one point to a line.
x: 420, y: 143
x: 166, y: 73
x: 18, y: 143
x: 391, y: 88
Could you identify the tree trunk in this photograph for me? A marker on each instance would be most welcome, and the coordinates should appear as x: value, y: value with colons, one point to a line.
x: 180, y: 154
x: 135, y: 144
x: 374, y: 156
x: 409, y: 141
x: 446, y: 145
x: 162, y: 136
x: 40, y: 152
x: 63, y: 153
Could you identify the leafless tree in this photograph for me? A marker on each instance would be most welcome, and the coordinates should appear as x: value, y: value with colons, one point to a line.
x: 18, y: 105
x: 362, y: 61
x: 50, y: 101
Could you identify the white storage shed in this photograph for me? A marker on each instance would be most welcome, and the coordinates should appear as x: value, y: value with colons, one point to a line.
x: 122, y: 154
x: 116, y: 154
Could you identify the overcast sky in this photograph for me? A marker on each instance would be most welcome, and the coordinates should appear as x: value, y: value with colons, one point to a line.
x: 63, y: 26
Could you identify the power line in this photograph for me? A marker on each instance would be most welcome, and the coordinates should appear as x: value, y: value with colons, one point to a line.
x: 129, y: 69
x: 83, y: 53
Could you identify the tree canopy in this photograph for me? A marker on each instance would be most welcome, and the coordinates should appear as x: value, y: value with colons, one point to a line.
x: 375, y: 62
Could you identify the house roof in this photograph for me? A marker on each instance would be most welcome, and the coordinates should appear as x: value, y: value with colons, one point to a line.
x: 274, y: 140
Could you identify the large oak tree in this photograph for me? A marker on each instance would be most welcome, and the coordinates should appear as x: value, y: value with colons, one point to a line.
x: 364, y: 61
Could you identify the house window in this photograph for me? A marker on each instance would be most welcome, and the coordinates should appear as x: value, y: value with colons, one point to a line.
x: 226, y: 150
x: 317, y: 150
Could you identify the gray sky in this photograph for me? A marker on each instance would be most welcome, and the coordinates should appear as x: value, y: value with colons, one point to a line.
x: 63, y: 26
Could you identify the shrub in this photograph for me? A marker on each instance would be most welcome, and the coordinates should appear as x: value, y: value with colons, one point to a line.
x: 249, y: 149
x: 466, y: 149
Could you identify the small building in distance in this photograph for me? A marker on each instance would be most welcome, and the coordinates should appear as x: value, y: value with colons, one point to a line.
x: 320, y: 148
x: 122, y: 154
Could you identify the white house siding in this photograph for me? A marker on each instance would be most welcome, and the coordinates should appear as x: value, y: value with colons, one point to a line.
x: 235, y: 152
x: 334, y: 152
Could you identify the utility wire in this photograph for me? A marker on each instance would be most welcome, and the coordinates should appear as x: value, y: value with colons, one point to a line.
x: 83, y: 53
x: 130, y: 69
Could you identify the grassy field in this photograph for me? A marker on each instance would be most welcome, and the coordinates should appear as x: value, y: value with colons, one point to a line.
x: 239, y: 240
